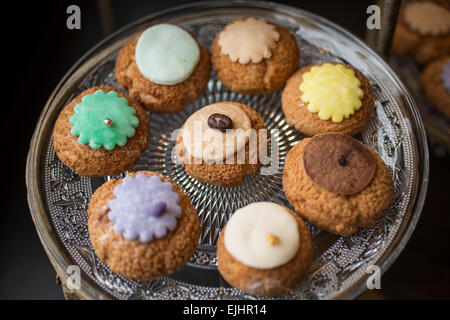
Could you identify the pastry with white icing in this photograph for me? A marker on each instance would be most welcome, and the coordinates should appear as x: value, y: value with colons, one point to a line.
x: 265, y: 249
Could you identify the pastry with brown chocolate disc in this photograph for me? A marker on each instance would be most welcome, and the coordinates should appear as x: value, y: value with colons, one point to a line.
x: 337, y: 183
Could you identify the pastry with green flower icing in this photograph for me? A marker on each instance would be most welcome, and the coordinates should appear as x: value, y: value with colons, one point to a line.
x: 331, y: 97
x: 101, y: 132
x: 164, y: 68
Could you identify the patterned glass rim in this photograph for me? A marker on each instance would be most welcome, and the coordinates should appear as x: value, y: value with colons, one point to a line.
x: 54, y: 249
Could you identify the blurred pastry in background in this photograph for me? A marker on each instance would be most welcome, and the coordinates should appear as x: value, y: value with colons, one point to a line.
x: 423, y: 30
x: 435, y: 82
x: 443, y: 3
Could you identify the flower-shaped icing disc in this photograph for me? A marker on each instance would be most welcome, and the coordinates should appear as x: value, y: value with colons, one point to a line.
x: 103, y: 120
x: 249, y: 40
x: 145, y: 208
x: 332, y: 91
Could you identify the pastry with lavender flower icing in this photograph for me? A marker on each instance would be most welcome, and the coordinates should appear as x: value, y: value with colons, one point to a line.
x: 435, y: 82
x: 143, y: 226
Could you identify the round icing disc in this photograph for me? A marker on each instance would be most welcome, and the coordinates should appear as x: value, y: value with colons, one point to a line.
x: 338, y: 163
x: 166, y: 54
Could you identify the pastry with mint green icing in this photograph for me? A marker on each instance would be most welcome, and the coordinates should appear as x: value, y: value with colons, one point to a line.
x: 164, y: 68
x: 103, y: 120
x: 166, y: 54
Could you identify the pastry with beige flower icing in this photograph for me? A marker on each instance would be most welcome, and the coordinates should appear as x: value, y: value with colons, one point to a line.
x: 254, y: 56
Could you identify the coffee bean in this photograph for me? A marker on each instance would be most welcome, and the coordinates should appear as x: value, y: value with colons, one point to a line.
x: 220, y: 122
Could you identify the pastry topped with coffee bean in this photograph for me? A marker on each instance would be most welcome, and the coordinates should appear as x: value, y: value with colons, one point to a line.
x: 218, y: 144
x: 337, y: 183
x: 254, y: 56
x: 423, y: 30
x: 164, y: 68
x: 331, y: 97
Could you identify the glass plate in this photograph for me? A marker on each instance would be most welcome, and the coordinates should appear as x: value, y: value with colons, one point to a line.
x: 58, y: 198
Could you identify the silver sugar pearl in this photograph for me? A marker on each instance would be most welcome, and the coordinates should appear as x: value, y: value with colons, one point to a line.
x: 108, y: 122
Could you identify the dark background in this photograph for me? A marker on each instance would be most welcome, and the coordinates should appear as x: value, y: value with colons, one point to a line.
x: 38, y: 50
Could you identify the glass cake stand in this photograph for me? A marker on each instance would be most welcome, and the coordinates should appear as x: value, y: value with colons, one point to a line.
x: 58, y: 198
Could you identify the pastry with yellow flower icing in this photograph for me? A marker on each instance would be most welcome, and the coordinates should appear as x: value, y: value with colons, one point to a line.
x: 423, y: 30
x: 254, y: 56
x: 219, y: 143
x: 332, y: 97
x: 265, y: 249
x: 101, y: 132
x: 164, y: 68
x: 337, y: 183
